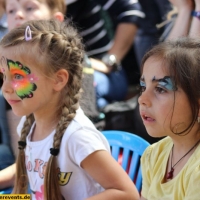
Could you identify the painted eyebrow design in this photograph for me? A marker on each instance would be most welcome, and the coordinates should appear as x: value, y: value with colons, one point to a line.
x: 168, y: 82
x: 164, y: 79
x: 142, y: 78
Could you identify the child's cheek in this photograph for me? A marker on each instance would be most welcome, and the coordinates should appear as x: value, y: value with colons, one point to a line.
x: 15, y: 85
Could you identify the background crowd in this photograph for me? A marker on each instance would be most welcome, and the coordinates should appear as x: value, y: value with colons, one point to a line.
x: 126, y: 30
x: 116, y: 35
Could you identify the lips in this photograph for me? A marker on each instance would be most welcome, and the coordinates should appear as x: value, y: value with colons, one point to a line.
x: 17, y: 25
x: 11, y: 102
x: 146, y: 117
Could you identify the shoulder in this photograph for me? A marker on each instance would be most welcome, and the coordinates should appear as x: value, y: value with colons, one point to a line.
x: 82, y: 131
x: 157, y: 150
x: 192, y: 177
x: 80, y: 121
x: 81, y: 138
x: 194, y: 167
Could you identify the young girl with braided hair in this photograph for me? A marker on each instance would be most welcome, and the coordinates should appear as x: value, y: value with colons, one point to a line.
x: 61, y: 154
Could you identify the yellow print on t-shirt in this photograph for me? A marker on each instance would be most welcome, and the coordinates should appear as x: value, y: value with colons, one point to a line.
x: 40, y: 166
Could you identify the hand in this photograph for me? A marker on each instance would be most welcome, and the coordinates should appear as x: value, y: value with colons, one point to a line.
x: 100, y: 66
x: 183, y: 4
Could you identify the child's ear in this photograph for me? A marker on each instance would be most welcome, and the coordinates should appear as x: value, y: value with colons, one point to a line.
x: 59, y: 16
x: 61, y: 78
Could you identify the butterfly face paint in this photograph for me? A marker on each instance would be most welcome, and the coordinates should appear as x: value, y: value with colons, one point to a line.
x: 23, y: 81
x: 166, y: 82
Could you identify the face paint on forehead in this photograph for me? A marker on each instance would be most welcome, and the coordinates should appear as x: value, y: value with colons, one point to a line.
x: 23, y: 81
x: 166, y: 82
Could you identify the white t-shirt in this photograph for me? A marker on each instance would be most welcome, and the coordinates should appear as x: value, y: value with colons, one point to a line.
x: 80, y: 139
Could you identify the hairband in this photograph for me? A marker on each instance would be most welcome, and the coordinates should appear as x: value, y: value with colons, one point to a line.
x: 28, y: 34
x: 21, y: 144
x: 54, y: 151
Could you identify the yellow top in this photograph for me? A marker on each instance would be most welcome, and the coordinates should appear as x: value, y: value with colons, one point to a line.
x: 184, y: 186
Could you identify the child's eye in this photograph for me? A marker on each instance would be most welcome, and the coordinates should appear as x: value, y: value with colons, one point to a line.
x: 11, y: 11
x: 18, y: 77
x: 142, y: 88
x: 29, y: 8
x: 160, y: 90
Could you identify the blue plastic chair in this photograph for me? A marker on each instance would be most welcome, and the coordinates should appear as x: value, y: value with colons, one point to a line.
x: 6, y: 191
x: 10, y: 189
x: 128, y: 147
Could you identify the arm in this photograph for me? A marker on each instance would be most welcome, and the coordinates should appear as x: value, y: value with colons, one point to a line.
x: 142, y: 198
x: 125, y: 16
x: 7, y: 176
x: 109, y: 174
x: 195, y: 26
x: 123, y: 40
x: 182, y: 23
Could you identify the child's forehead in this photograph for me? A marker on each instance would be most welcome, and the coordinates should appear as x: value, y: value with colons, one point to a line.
x: 156, y: 63
x: 22, y: 1
x: 5, y: 60
x: 16, y: 54
x: 23, y: 56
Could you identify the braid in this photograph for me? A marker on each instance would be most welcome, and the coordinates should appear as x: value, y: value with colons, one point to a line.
x: 21, y: 180
x: 58, y: 46
x: 68, y: 51
x: 68, y: 113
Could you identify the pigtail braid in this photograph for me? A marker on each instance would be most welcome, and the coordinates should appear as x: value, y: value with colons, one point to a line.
x: 51, y: 171
x: 21, y: 179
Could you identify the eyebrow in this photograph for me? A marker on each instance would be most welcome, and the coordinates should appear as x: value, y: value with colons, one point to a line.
x: 167, y: 81
x: 164, y: 79
x: 142, y: 78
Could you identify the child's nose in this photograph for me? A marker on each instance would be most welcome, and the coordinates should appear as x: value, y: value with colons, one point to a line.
x: 144, y: 99
x: 19, y: 14
x: 7, y: 87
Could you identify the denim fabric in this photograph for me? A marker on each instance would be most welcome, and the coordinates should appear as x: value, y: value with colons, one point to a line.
x: 6, y: 154
x: 110, y: 87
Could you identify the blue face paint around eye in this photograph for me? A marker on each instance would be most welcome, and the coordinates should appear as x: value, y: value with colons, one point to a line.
x: 142, y: 83
x: 166, y: 82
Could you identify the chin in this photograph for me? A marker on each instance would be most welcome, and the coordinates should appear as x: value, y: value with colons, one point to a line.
x: 20, y: 113
x: 154, y: 133
x: 155, y: 136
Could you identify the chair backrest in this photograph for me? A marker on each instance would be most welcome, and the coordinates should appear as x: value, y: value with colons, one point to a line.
x: 127, y: 148
x: 6, y: 191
